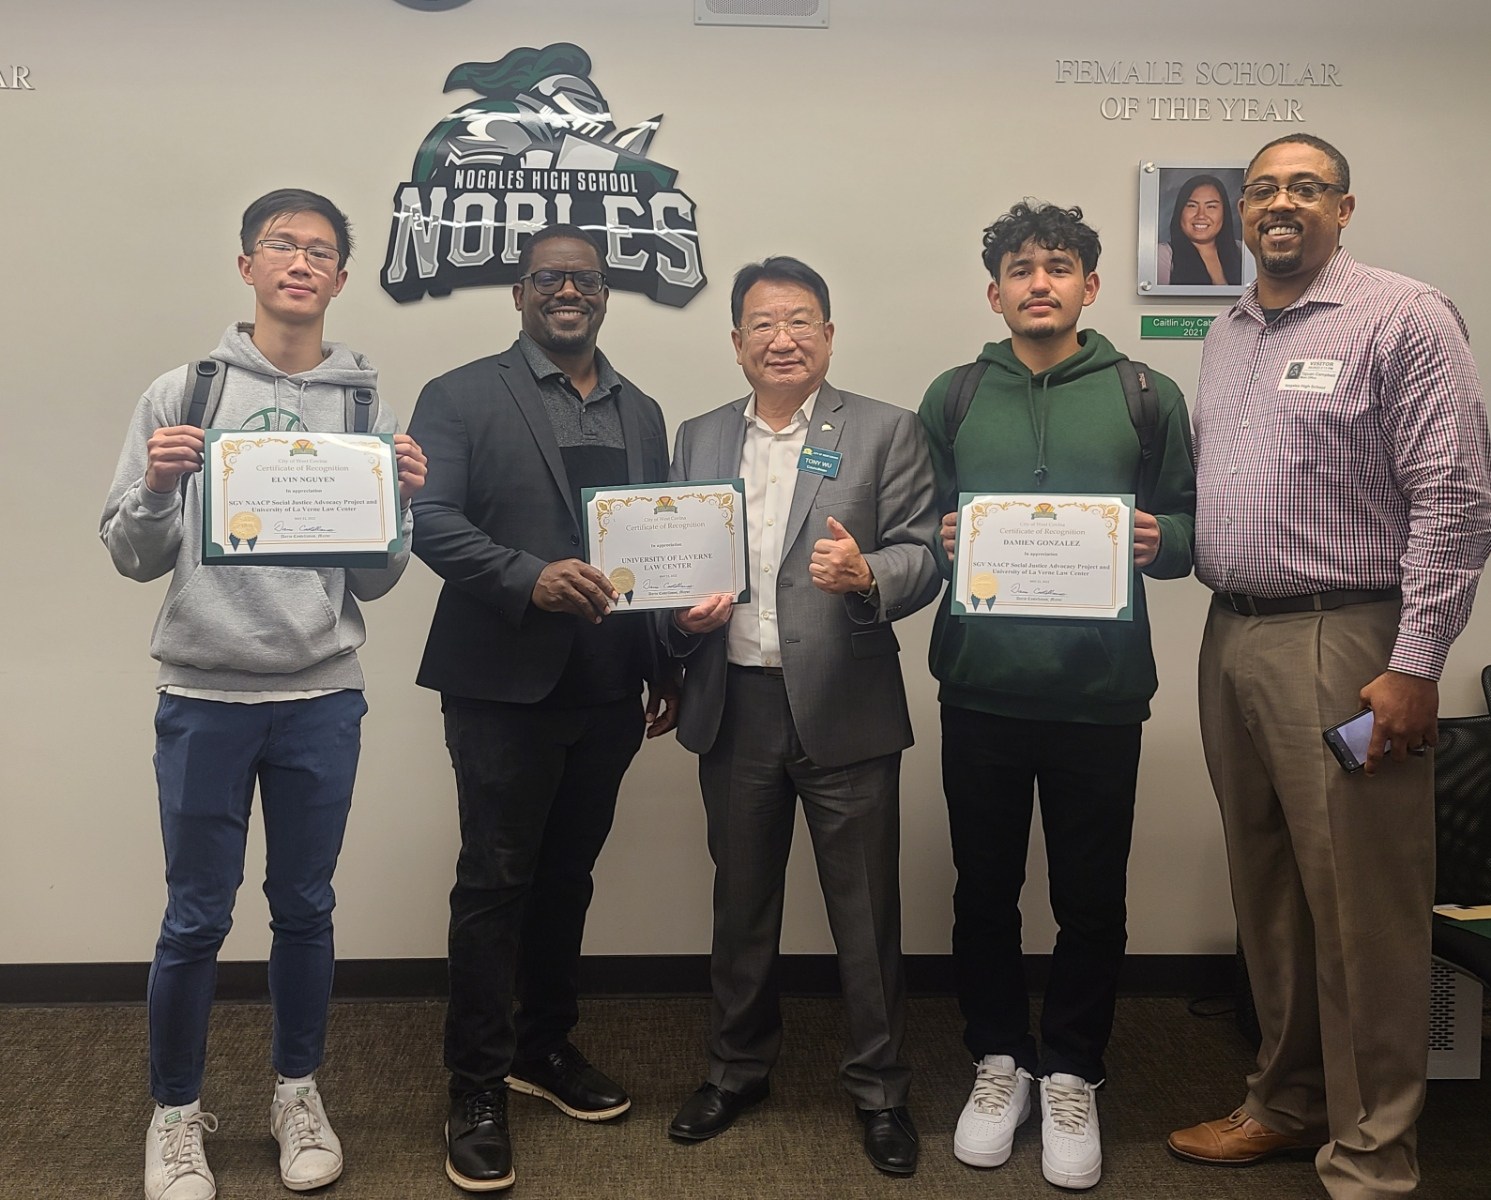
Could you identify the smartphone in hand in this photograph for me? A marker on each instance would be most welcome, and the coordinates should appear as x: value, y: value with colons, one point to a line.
x: 1350, y: 738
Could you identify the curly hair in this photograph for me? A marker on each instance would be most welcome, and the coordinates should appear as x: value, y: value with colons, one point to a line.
x: 1050, y: 226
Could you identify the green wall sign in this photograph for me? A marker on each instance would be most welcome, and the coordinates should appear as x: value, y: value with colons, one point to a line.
x: 1174, y: 327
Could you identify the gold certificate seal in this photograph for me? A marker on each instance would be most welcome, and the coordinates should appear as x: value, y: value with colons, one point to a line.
x: 245, y: 525
x: 624, y: 581
x: 984, y: 586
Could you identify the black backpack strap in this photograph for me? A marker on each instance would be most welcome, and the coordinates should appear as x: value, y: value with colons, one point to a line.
x: 361, y: 409
x: 204, y: 389
x: 960, y: 390
x: 1144, y: 413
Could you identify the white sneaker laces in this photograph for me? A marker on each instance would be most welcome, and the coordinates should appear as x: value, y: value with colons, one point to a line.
x: 993, y: 1091
x: 181, y: 1146
x: 301, y: 1127
x: 1069, y: 1106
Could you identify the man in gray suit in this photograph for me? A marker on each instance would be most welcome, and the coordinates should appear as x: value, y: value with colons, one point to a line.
x: 799, y: 694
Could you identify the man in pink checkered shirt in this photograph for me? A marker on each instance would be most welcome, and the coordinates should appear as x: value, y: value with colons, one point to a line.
x: 1343, y: 519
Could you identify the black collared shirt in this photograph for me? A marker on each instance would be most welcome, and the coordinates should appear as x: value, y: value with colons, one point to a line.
x: 606, y: 661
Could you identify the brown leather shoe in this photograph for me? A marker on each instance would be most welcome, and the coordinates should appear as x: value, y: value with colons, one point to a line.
x: 1235, y: 1141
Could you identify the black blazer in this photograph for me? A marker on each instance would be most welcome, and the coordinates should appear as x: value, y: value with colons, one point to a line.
x: 495, y: 510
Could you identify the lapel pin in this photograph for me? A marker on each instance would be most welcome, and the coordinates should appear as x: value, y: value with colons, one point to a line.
x: 826, y: 427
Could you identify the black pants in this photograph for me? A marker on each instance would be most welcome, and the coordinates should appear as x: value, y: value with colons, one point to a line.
x: 1087, y: 775
x: 537, y: 791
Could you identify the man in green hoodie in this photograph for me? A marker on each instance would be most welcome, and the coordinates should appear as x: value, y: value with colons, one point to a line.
x: 1051, y: 702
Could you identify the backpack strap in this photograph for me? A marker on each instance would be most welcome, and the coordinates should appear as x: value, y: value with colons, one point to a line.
x: 361, y: 410
x: 204, y: 388
x: 1144, y: 412
x: 1138, y: 393
x: 960, y: 390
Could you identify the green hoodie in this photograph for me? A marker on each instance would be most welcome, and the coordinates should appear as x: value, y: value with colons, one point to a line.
x: 1044, y: 668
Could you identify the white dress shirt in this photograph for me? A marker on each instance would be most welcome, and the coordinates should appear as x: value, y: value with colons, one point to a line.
x: 768, y: 464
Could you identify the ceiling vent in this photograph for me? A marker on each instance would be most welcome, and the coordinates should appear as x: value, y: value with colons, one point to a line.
x: 807, y: 14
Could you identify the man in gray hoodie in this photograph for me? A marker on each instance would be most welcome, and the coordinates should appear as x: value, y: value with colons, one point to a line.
x: 259, y: 680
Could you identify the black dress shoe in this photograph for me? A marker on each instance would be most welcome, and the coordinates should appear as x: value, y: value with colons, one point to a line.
x: 478, y: 1148
x: 890, y: 1139
x: 565, y: 1078
x: 713, y: 1110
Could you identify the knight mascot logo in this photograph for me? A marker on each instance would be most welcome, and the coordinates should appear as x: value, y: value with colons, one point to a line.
x: 538, y: 148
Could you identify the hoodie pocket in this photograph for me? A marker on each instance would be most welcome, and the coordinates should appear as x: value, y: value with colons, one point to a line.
x: 262, y: 619
x: 1034, y: 657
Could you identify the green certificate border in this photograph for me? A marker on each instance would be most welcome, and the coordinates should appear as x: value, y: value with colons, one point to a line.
x: 737, y: 485
x: 215, y: 555
x: 958, y: 609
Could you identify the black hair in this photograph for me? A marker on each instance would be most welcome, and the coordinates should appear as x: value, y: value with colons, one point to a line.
x: 1051, y: 227
x: 548, y: 233
x: 1337, y: 159
x: 1185, y: 260
x: 779, y: 268
x: 286, y: 202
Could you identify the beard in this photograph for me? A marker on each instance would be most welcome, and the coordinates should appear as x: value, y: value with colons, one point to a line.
x: 562, y: 341
x: 1280, y: 264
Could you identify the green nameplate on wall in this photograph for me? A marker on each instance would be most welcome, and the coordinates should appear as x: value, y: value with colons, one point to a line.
x: 1174, y: 327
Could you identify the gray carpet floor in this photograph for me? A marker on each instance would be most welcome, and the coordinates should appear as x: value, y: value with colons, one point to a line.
x: 72, y: 1089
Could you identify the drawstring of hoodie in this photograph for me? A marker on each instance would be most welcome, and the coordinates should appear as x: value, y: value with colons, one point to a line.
x: 1038, y: 424
x: 299, y: 404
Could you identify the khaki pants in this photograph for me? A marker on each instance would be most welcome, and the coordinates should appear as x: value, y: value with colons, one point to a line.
x: 1333, y: 883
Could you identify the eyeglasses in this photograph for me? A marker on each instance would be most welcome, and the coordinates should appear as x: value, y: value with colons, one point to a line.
x: 551, y: 283
x: 799, y: 330
x: 1305, y: 192
x: 319, y: 258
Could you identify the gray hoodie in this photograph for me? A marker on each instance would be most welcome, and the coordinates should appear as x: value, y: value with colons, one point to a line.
x: 248, y: 628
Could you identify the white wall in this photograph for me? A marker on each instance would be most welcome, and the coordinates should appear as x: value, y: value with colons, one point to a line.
x: 876, y: 150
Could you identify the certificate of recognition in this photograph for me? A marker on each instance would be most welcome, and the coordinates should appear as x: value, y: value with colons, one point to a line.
x: 300, y: 499
x: 1044, y: 556
x: 669, y: 546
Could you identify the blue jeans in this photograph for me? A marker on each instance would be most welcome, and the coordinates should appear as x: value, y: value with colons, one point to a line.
x: 303, y: 753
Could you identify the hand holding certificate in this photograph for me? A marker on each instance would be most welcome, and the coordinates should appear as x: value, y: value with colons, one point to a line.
x: 299, y: 499
x: 1044, y: 556
x: 670, y: 545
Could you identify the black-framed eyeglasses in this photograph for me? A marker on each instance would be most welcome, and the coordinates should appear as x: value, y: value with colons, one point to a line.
x: 1302, y: 191
x: 318, y: 258
x: 547, y: 282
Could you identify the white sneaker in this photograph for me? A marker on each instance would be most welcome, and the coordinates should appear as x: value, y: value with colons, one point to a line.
x: 997, y: 1106
x: 310, y: 1151
x: 175, y: 1165
x: 1071, y: 1148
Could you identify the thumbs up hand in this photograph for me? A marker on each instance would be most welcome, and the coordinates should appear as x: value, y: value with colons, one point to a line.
x: 837, y: 565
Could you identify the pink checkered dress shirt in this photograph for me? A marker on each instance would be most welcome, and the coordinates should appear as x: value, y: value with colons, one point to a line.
x: 1344, y: 446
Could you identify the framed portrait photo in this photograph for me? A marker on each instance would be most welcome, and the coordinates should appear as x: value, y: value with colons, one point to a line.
x: 1190, y: 233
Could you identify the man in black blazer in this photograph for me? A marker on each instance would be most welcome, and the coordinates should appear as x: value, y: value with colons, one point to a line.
x: 799, y: 694
x: 539, y: 685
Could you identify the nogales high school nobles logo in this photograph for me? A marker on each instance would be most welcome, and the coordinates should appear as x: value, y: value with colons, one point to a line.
x: 538, y: 148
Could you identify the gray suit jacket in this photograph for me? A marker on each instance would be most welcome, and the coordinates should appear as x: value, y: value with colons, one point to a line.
x: 839, y: 653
